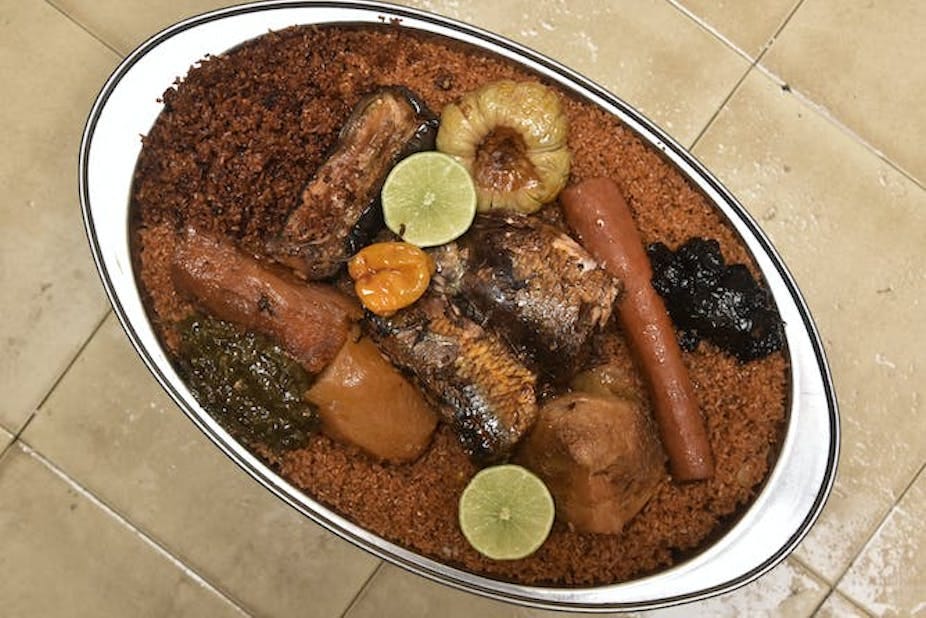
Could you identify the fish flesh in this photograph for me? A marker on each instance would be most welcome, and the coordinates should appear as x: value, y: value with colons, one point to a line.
x: 533, y: 284
x: 481, y: 388
x: 339, y: 209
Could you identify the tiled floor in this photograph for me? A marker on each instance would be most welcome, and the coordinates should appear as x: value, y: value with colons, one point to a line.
x: 810, y: 111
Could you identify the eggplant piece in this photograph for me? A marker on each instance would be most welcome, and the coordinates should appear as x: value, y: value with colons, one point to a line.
x: 481, y: 389
x: 710, y: 299
x: 543, y: 293
x: 340, y: 211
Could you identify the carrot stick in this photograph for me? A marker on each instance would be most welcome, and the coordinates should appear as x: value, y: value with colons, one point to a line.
x: 310, y: 320
x: 597, y: 211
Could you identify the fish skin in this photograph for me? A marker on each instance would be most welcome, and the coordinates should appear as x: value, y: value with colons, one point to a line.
x: 533, y: 284
x: 481, y: 388
x: 339, y: 209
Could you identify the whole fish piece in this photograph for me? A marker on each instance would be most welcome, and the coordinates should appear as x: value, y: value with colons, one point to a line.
x: 339, y: 210
x: 482, y: 390
x: 533, y: 284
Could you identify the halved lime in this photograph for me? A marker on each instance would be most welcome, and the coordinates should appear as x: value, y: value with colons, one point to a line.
x: 506, y: 512
x: 429, y: 199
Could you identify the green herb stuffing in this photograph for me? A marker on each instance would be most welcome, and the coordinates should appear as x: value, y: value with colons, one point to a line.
x: 247, y: 383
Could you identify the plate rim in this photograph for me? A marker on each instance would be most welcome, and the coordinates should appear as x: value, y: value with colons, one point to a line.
x: 697, y: 174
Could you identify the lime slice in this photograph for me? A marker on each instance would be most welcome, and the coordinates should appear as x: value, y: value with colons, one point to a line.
x: 429, y: 199
x: 506, y: 512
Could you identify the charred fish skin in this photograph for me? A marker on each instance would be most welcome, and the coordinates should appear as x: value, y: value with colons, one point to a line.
x: 339, y: 210
x: 543, y: 293
x: 483, y: 391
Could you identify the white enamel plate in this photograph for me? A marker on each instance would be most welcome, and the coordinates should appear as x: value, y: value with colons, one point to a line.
x: 792, y: 496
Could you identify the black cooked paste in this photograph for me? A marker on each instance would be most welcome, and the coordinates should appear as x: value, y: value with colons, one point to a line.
x: 708, y: 299
x: 247, y: 383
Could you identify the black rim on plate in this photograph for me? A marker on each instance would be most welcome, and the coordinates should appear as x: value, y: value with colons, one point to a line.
x: 686, y: 164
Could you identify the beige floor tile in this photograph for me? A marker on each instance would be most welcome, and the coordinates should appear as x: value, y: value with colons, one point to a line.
x: 5, y: 438
x: 654, y: 57
x: 125, y: 24
x: 838, y: 606
x: 63, y: 555
x: 111, y: 427
x: 853, y: 231
x: 395, y: 593
x: 51, y: 301
x: 788, y: 591
x: 749, y: 26
x: 889, y: 577
x: 863, y: 61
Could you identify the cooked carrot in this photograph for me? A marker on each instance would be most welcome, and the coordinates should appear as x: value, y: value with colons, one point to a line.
x: 310, y: 320
x: 598, y: 213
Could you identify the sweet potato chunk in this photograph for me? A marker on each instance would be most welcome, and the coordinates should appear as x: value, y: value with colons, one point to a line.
x: 600, y: 458
x: 363, y: 400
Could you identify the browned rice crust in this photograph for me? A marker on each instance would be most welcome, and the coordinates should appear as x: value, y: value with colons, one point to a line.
x: 238, y: 139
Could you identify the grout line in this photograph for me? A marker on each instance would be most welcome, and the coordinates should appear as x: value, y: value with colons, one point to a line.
x: 877, y: 528
x: 821, y: 109
x: 784, y: 22
x: 810, y: 569
x: 67, y: 369
x: 851, y: 602
x: 6, y: 448
x: 5, y: 453
x: 807, y: 101
x: 153, y: 544
x: 830, y: 588
x: 729, y: 43
x: 83, y: 27
x: 362, y: 589
x: 12, y: 439
x: 711, y: 29
x: 58, y: 379
x: 754, y: 63
x: 827, y: 115
x: 720, y: 108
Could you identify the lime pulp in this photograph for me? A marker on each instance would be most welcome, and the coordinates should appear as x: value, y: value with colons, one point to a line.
x: 429, y: 199
x: 506, y: 512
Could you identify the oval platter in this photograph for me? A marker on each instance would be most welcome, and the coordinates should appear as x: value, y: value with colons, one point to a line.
x: 794, y: 492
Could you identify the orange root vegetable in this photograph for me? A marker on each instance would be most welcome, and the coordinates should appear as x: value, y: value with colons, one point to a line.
x: 598, y: 213
x: 310, y: 320
x: 363, y: 400
x: 390, y: 275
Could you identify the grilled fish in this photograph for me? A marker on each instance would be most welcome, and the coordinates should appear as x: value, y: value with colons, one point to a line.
x: 339, y: 210
x: 533, y: 284
x: 483, y: 391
